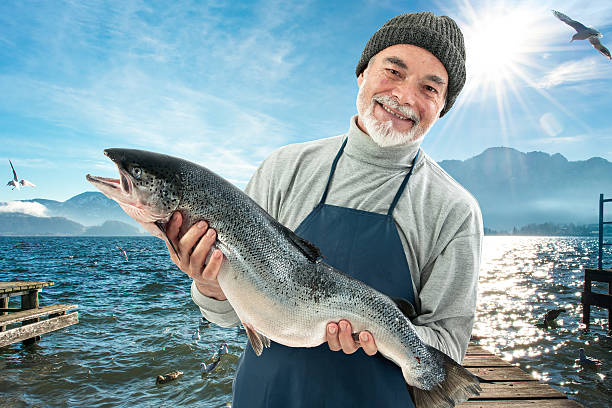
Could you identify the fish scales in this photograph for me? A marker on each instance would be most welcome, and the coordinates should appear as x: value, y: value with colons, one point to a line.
x: 279, y: 286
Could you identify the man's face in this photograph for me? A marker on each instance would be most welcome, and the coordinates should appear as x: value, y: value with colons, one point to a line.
x: 401, y: 94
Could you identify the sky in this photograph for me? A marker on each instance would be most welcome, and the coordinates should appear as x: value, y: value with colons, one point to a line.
x: 225, y: 83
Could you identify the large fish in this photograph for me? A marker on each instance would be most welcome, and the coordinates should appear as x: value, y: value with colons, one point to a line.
x: 276, y: 281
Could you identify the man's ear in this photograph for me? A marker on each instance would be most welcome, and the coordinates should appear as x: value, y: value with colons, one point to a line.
x: 360, y: 79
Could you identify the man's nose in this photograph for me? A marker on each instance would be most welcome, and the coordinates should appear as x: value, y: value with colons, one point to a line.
x: 406, y: 92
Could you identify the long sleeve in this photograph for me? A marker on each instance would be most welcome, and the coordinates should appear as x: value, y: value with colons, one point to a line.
x: 448, y: 292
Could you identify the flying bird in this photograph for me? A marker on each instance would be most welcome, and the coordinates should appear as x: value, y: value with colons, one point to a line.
x: 16, y: 183
x: 584, y: 33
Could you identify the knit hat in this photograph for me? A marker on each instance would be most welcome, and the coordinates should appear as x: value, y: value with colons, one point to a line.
x: 439, y: 35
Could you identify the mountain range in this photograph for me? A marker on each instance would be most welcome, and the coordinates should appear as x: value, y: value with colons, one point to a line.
x: 513, y: 189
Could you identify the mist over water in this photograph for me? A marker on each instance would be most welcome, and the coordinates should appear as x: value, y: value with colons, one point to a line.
x: 136, y: 321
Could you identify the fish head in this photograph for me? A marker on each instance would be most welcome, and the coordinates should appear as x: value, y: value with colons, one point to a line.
x: 148, y: 189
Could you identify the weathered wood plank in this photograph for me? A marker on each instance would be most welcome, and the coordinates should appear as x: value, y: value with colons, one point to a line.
x: 474, y: 350
x: 555, y: 403
x: 36, y: 329
x: 517, y: 390
x: 501, y: 373
x: 485, y: 361
x: 8, y: 287
x: 33, y: 313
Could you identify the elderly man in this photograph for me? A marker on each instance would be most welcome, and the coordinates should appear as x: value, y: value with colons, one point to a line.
x: 379, y: 209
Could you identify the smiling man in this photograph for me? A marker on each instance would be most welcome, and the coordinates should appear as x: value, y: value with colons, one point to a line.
x: 380, y: 210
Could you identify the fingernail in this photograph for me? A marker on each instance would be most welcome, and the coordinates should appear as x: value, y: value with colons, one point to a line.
x: 363, y: 337
x: 332, y: 329
x: 201, y: 224
x: 210, y: 233
x: 218, y: 254
x: 343, y: 326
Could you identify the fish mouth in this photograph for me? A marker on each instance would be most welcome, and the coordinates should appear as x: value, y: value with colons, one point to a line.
x: 116, y: 189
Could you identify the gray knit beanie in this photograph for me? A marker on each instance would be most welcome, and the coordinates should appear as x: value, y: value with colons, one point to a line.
x: 439, y: 35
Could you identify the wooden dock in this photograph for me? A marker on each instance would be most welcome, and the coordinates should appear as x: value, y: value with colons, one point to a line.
x: 28, y: 326
x: 511, y: 387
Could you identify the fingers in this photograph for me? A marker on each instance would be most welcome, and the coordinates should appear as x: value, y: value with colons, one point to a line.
x: 332, y: 337
x: 366, y: 340
x: 340, y: 337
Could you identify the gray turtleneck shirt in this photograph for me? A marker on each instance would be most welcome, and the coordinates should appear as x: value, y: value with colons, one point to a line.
x: 439, y: 223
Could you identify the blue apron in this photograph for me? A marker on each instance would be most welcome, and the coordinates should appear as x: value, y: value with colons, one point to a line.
x: 367, y: 246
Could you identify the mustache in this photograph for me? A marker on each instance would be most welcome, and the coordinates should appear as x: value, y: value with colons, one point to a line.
x: 391, y: 102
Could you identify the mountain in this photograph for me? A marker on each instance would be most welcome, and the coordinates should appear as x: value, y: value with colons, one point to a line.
x: 24, y: 224
x: 89, y: 208
x: 515, y: 188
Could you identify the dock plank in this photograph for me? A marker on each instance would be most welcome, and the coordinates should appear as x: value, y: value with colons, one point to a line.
x: 517, y: 390
x: 485, y: 361
x: 7, y: 287
x: 556, y: 403
x: 33, y: 313
x: 36, y: 329
x: 501, y: 373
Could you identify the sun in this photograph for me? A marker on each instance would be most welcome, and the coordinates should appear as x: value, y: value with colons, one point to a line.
x: 502, y: 41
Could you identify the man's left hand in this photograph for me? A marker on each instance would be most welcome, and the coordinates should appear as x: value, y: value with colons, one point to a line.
x: 340, y: 337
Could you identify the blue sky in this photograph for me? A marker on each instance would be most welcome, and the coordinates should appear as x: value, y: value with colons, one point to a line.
x: 225, y: 83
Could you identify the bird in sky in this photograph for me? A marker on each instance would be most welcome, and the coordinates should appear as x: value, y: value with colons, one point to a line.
x: 16, y: 183
x: 584, y: 33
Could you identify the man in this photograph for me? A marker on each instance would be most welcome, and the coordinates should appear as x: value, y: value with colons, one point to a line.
x: 380, y: 210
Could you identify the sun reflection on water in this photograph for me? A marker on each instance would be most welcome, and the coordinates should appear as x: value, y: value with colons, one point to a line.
x: 521, y: 278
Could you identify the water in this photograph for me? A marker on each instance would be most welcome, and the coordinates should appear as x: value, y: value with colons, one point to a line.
x: 136, y: 321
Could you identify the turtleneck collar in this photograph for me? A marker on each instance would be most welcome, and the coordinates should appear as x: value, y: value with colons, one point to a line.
x: 362, y: 147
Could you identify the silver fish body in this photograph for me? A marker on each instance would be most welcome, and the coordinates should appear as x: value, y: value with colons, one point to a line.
x: 276, y: 282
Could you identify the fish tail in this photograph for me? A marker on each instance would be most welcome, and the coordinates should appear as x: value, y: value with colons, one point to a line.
x: 458, y: 386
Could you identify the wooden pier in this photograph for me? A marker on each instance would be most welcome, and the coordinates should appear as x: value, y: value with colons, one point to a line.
x: 28, y: 326
x: 510, y: 386
x: 588, y: 297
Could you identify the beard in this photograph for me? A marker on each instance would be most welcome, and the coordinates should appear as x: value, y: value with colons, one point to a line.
x: 383, y: 133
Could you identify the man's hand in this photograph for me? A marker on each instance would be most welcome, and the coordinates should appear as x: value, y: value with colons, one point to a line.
x: 193, y: 248
x: 340, y: 337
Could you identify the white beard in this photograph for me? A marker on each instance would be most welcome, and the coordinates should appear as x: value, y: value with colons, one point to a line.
x: 383, y: 133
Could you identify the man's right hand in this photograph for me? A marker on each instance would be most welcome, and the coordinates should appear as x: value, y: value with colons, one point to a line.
x: 193, y: 248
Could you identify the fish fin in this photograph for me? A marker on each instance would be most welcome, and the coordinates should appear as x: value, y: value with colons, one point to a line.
x: 458, y: 385
x: 308, y: 249
x: 257, y: 340
x: 405, y: 306
x: 160, y: 225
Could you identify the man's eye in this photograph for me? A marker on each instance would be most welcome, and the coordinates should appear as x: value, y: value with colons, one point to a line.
x: 431, y: 89
x: 393, y: 72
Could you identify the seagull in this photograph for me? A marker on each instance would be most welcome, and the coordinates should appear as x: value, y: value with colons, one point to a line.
x: 16, y: 183
x: 204, y: 322
x: 196, y: 335
x: 549, y: 318
x: 584, y: 33
x: 586, y: 361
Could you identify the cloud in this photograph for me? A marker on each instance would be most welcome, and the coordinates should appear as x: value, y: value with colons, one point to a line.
x: 30, y: 208
x: 550, y: 125
x: 586, y: 69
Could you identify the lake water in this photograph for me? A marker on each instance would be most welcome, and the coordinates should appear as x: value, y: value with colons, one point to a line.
x: 136, y: 321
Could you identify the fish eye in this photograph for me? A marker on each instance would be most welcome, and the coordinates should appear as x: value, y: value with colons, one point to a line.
x: 137, y: 172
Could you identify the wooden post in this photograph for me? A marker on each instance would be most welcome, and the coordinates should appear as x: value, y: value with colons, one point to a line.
x: 3, y: 305
x: 601, y: 224
x: 586, y: 305
x: 30, y: 301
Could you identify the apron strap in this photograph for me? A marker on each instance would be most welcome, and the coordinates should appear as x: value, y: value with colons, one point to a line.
x: 331, y: 173
x: 401, y: 188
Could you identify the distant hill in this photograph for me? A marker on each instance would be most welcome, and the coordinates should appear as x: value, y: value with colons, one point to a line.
x: 515, y: 188
x: 89, y: 208
x: 24, y: 224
